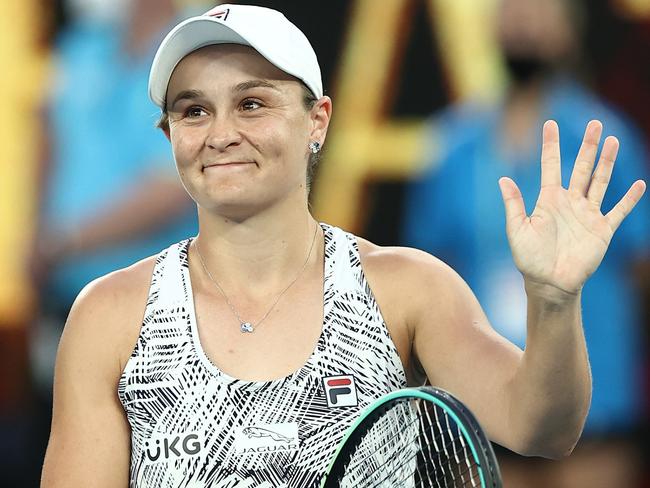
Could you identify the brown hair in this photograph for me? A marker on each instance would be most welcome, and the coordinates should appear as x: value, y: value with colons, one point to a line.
x: 308, y: 101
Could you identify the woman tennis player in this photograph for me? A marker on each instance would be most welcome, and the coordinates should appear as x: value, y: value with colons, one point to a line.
x: 240, y: 356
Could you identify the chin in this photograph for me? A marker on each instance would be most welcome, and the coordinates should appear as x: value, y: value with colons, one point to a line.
x: 234, y: 212
x: 227, y: 191
x: 234, y: 204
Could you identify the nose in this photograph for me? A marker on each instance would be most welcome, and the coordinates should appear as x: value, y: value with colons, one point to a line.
x: 222, y: 133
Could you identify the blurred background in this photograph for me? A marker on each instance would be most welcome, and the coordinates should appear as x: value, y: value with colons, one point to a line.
x: 434, y: 100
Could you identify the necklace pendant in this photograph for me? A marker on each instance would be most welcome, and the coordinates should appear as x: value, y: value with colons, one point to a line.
x: 246, y: 327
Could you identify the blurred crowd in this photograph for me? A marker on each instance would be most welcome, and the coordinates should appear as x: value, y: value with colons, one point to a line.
x: 106, y: 195
x: 451, y: 209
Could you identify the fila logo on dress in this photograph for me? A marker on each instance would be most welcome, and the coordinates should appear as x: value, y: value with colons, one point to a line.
x: 340, y: 391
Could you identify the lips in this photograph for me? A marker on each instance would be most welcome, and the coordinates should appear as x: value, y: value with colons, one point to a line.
x: 227, y: 164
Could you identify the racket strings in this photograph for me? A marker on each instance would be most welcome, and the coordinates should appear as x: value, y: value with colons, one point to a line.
x: 387, y: 440
x: 473, y: 480
x: 378, y: 436
x: 425, y: 459
x: 442, y: 434
x: 436, y: 454
x: 429, y: 458
x: 466, y: 457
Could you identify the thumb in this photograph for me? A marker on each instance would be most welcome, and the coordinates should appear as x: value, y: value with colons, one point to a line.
x: 513, y: 203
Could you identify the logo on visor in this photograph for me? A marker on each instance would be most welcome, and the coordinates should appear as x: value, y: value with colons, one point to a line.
x: 218, y: 13
x: 340, y: 391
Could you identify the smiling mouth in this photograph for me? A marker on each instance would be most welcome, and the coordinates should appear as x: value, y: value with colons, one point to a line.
x: 230, y: 164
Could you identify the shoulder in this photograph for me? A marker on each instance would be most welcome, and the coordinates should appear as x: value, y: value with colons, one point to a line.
x: 396, y: 259
x: 405, y: 262
x: 413, y: 281
x: 100, y: 332
x: 121, y: 286
x: 106, y: 316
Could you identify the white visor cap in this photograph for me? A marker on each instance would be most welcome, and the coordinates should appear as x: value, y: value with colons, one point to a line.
x: 266, y: 30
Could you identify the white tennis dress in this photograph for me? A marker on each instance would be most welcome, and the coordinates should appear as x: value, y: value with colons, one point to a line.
x: 194, y: 426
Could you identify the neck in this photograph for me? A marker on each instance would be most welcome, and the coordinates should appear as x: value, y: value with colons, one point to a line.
x: 521, y: 117
x: 265, y: 249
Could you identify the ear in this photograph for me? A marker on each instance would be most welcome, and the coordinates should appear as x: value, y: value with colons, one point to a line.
x: 320, y: 116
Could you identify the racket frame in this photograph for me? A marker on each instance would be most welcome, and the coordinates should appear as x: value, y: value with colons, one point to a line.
x: 490, y: 475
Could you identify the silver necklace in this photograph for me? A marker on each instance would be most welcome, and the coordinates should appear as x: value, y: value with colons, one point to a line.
x: 245, y: 326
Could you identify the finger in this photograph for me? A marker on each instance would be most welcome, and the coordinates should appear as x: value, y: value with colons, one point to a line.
x: 584, y: 165
x: 551, y: 171
x: 513, y: 203
x: 625, y: 205
x: 603, y: 173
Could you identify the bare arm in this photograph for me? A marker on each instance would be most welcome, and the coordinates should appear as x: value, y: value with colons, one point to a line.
x: 147, y: 206
x: 552, y: 386
x: 458, y: 348
x: 434, y: 317
x: 533, y: 402
x: 90, y: 438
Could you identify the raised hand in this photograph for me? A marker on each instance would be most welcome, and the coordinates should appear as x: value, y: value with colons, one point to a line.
x: 565, y: 238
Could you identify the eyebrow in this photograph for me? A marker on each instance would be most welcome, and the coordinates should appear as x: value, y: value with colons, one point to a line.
x: 186, y: 95
x: 247, y: 85
x: 240, y: 87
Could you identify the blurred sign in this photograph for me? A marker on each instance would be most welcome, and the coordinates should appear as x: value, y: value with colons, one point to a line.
x: 21, y: 84
x: 364, y: 142
x: 634, y: 8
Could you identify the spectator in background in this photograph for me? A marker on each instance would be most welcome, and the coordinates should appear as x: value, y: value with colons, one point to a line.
x: 111, y: 195
x: 452, y: 213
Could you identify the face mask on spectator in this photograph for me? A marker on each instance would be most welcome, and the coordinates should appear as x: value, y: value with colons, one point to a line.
x: 526, y: 68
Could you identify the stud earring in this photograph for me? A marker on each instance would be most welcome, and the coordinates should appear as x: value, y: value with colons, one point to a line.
x: 314, y: 147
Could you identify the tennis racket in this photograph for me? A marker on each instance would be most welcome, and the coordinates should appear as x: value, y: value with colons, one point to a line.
x: 415, y: 437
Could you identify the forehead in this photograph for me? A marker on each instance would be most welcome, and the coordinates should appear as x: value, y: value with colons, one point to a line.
x: 225, y: 64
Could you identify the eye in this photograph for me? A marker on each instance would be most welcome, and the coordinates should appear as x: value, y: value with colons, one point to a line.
x: 250, y: 104
x: 194, y: 112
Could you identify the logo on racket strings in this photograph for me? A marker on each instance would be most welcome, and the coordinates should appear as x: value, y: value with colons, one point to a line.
x: 340, y: 391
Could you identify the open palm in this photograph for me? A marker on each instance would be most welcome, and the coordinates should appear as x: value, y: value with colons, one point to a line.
x: 565, y: 238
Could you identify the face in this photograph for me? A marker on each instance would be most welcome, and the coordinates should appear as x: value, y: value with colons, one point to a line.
x: 539, y: 29
x: 240, y: 131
